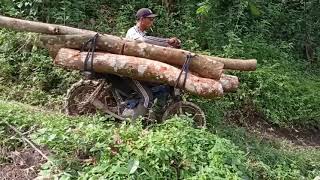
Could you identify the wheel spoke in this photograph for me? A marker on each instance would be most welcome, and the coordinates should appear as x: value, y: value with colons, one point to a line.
x: 77, y: 97
x: 180, y: 110
x: 188, y: 108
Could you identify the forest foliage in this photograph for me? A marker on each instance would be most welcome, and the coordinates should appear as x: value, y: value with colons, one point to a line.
x: 282, y: 35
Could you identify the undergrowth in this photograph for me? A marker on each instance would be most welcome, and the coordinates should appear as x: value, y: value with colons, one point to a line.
x: 95, y: 147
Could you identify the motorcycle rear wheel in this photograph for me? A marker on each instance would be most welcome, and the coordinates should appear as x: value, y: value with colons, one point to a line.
x: 77, y: 96
x: 189, y: 109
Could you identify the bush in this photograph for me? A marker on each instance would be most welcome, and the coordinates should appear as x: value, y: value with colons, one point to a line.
x: 88, y: 147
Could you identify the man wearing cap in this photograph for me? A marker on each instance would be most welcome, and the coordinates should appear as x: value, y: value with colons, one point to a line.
x: 145, y: 18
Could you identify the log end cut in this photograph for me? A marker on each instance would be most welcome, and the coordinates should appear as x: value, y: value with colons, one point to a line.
x: 229, y: 83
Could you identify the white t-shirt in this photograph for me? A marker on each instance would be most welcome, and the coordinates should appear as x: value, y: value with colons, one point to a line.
x: 134, y: 33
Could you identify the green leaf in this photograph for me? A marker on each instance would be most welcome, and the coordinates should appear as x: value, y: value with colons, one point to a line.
x: 253, y: 9
x: 19, y: 5
x: 52, y: 137
x: 121, y: 170
x: 203, y: 10
x: 133, y: 166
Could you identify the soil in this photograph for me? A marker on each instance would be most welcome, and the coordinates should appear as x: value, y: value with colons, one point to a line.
x: 21, y: 165
x: 256, y: 123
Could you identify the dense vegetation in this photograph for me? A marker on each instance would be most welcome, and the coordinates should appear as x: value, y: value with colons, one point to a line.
x: 92, y: 147
x: 282, y: 35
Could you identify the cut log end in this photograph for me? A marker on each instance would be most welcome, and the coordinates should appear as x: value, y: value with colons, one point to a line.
x: 229, y: 83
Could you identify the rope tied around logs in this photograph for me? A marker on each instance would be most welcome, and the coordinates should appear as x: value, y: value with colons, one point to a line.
x: 185, y: 69
x: 91, y: 45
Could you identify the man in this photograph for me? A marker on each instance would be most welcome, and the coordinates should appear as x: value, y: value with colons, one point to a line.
x: 144, y: 21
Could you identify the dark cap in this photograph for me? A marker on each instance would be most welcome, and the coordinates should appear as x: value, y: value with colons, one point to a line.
x: 144, y: 12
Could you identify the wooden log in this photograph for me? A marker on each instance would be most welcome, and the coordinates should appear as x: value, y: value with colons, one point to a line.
x: 108, y: 43
x: 140, y: 69
x: 39, y: 27
x: 229, y: 83
x: 151, y: 52
x: 204, y: 66
x: 236, y: 64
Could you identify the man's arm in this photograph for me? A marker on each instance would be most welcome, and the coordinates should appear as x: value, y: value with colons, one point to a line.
x: 166, y: 42
x: 135, y: 34
x: 155, y: 40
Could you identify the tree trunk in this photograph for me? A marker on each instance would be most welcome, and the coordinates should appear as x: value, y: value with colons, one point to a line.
x: 119, y: 45
x: 236, y: 64
x: 204, y: 66
x: 140, y: 69
x: 39, y: 27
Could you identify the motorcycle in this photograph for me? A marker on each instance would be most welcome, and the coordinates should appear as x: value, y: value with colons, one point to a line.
x: 113, y: 95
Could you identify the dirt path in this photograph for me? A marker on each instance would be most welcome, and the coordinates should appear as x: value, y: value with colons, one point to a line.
x: 21, y: 165
x: 255, y: 123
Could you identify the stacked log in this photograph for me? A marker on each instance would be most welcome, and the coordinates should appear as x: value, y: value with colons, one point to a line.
x: 140, y: 69
x: 114, y: 43
x: 203, y: 65
x: 135, y: 59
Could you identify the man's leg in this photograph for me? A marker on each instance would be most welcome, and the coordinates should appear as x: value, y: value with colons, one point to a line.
x: 144, y: 92
x: 146, y: 99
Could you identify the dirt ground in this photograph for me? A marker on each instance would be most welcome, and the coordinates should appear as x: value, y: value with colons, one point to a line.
x: 254, y: 122
x: 21, y: 165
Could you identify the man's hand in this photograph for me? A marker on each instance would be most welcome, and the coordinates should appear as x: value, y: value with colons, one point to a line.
x: 174, y: 42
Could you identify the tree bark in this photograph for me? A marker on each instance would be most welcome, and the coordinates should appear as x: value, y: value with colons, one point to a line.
x: 39, y: 27
x: 140, y: 69
x: 204, y: 66
x: 236, y: 64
